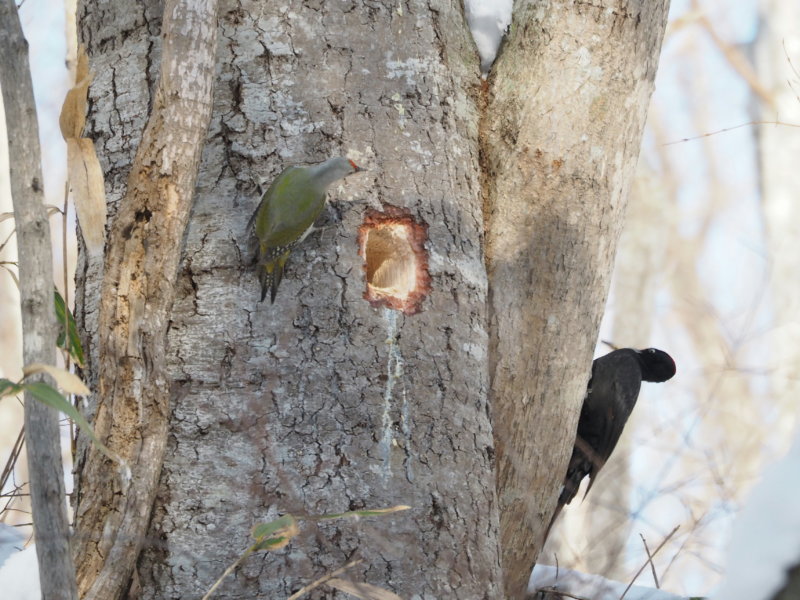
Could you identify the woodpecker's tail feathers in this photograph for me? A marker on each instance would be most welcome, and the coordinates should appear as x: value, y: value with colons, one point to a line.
x: 271, y: 274
x: 265, y: 276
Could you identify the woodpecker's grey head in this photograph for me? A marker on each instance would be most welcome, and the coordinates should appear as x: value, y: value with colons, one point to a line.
x: 332, y: 170
x: 657, y: 365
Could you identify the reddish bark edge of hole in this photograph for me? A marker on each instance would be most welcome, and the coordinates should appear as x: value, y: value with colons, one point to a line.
x: 397, y: 247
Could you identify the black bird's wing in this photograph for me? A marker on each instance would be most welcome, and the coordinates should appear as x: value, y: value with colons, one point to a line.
x: 610, y: 399
x: 613, y: 390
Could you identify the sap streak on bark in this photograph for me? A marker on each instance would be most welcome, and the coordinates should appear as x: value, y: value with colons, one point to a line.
x: 137, y: 293
x: 567, y: 106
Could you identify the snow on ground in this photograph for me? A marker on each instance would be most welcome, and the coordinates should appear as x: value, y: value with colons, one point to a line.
x: 595, y: 587
x: 766, y: 534
x: 488, y: 20
x: 19, y: 576
x: 11, y: 541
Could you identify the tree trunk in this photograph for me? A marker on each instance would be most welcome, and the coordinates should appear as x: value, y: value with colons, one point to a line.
x: 777, y: 63
x: 324, y: 401
x: 594, y: 532
x: 321, y: 403
x: 562, y: 137
x: 777, y: 52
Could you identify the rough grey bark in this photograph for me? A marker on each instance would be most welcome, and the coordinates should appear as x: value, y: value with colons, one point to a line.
x: 136, y: 296
x: 42, y: 436
x: 319, y: 403
x: 567, y: 108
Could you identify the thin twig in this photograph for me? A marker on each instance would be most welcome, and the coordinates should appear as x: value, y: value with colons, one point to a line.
x: 314, y: 584
x: 650, y: 560
x: 12, y: 496
x: 726, y: 129
x: 67, y: 344
x: 561, y: 593
x: 228, y: 571
x: 45, y: 470
x: 12, y: 458
x: 639, y: 572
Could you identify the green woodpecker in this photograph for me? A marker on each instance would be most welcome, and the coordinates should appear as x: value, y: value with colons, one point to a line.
x: 287, y: 213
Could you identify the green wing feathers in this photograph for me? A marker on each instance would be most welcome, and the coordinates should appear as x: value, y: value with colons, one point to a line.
x: 289, y: 207
x: 288, y: 210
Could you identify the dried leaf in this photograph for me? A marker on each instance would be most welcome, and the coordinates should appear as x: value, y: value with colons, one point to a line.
x: 365, y: 591
x: 86, y: 178
x: 374, y: 512
x: 13, y: 275
x: 67, y: 381
x: 73, y: 111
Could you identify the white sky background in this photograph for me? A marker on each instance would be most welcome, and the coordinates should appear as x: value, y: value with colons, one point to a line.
x: 692, y: 73
x: 43, y: 24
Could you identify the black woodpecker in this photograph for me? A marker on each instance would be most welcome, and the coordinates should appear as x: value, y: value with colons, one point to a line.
x: 609, y: 401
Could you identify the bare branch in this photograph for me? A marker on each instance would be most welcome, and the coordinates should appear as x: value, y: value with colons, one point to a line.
x: 314, y: 584
x: 649, y: 560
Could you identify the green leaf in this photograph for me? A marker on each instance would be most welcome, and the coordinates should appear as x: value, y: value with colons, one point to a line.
x: 46, y: 394
x: 273, y: 543
x: 68, y: 338
x: 69, y: 382
x: 9, y: 388
x: 263, y: 530
x: 376, y: 512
